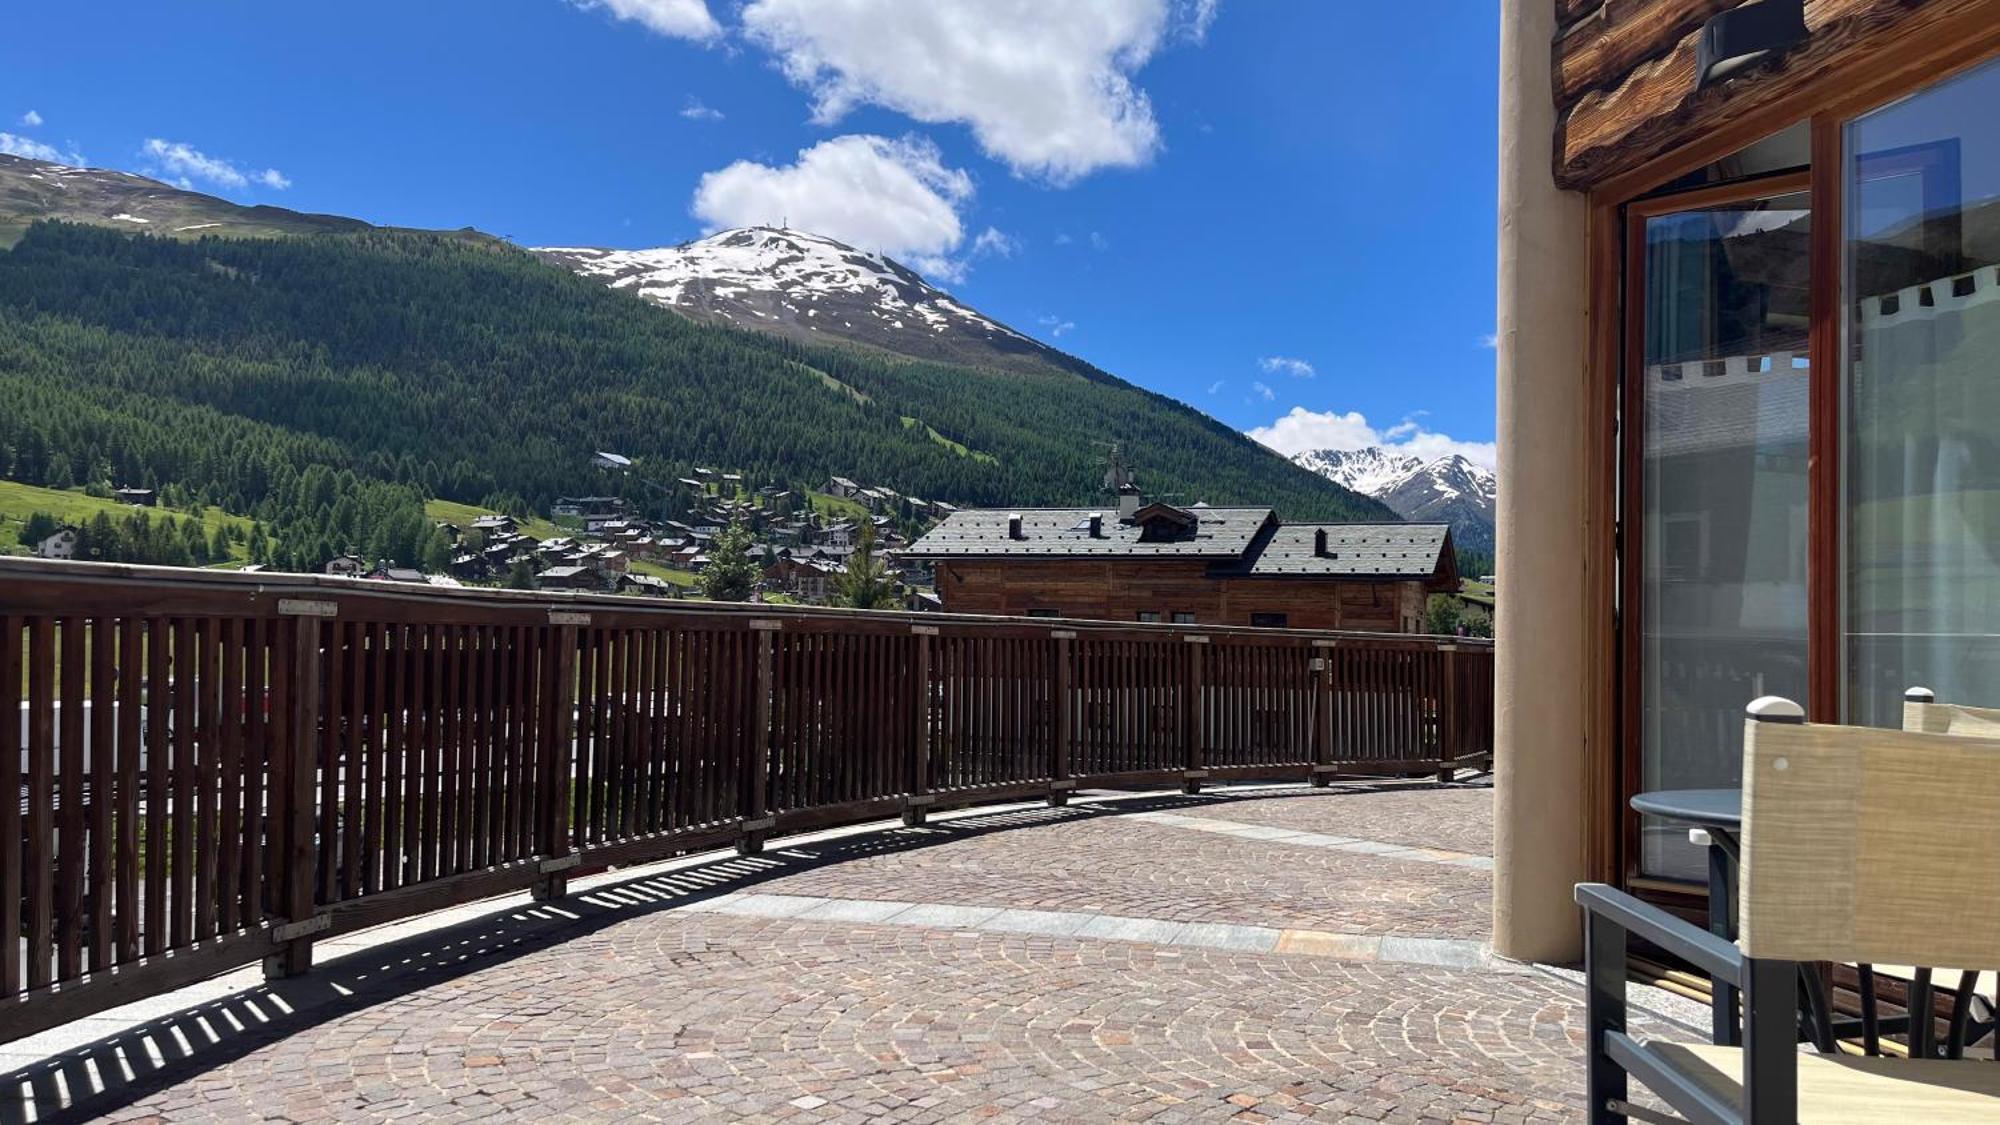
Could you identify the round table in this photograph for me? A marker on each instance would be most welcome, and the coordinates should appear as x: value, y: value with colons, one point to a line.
x: 1718, y: 812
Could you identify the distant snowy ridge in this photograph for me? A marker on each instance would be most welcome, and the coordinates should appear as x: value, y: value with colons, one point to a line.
x: 806, y: 286
x: 1449, y: 489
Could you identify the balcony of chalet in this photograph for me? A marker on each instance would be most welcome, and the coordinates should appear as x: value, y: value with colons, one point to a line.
x: 322, y: 848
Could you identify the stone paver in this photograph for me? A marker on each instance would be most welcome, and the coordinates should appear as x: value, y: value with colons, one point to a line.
x: 1072, y: 968
x: 1125, y: 866
x: 1458, y: 819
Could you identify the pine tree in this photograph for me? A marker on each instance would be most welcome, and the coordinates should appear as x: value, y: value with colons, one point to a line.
x: 521, y: 576
x: 731, y: 575
x: 866, y: 583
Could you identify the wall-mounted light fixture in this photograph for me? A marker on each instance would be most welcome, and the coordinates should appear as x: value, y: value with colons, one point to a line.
x: 1742, y: 36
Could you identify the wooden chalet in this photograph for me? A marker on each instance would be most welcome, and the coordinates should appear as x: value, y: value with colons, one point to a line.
x: 1202, y: 565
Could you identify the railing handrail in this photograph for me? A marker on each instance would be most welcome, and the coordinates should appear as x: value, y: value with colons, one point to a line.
x: 284, y: 584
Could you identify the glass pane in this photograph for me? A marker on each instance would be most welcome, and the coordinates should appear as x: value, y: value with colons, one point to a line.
x: 1724, y: 478
x: 1922, y: 463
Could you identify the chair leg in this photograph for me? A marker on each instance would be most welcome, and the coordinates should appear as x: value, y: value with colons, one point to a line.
x: 1770, y: 1042
x: 1604, y: 1012
x: 1818, y: 1007
x: 1961, y: 1012
x: 1871, y: 1016
x: 1922, y: 1015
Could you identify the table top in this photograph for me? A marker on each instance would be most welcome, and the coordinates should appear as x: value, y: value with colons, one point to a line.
x: 1710, y: 808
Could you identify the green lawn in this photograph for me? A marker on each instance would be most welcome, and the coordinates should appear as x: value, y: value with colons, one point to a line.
x: 1480, y: 593
x: 837, y: 507
x: 683, y: 578
x: 462, y: 515
x: 18, y: 501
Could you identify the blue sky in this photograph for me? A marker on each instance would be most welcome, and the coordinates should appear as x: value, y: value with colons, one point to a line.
x: 1279, y: 211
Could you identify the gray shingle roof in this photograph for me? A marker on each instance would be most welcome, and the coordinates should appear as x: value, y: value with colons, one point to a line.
x: 1353, y: 550
x: 1061, y: 532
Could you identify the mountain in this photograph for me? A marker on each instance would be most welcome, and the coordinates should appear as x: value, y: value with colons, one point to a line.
x: 34, y: 190
x: 1449, y: 489
x: 812, y: 289
x: 283, y: 377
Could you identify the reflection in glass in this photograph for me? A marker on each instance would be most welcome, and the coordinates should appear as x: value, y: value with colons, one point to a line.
x: 1724, y: 478
x: 1922, y: 454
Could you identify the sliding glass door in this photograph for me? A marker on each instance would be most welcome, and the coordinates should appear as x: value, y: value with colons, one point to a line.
x: 1921, y: 408
x: 1720, y: 381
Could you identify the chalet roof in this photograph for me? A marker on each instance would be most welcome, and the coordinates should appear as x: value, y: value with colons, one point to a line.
x: 1353, y: 550
x: 563, y: 572
x: 1064, y: 532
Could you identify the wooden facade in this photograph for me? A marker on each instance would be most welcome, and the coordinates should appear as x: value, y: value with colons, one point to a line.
x: 1641, y: 135
x: 1178, y: 590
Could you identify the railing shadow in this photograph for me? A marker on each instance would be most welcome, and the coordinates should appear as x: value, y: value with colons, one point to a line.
x: 113, y: 1072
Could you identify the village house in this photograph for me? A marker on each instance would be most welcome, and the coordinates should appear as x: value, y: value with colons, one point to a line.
x: 588, y: 507
x: 492, y: 525
x: 570, y: 578
x: 137, y: 497
x: 1161, y: 563
x: 60, y: 545
x: 841, y: 487
x: 347, y: 566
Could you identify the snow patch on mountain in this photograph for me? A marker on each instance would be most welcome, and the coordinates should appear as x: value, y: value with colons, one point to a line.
x: 1449, y: 489
x: 803, y: 285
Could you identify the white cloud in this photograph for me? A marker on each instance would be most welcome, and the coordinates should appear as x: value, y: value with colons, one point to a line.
x: 678, y: 19
x: 1288, y: 365
x: 186, y: 164
x: 1261, y: 389
x: 895, y: 197
x: 1099, y: 242
x: 1063, y: 238
x: 694, y: 110
x: 995, y: 242
x: 1302, y: 429
x: 31, y: 119
x: 15, y: 145
x: 1195, y: 18
x: 1055, y: 324
x: 1489, y: 340
x: 1045, y: 85
x: 1217, y: 385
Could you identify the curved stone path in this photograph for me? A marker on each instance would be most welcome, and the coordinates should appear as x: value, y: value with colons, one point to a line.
x: 1136, y: 960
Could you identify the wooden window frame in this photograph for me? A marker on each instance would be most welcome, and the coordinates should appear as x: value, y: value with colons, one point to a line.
x: 1895, y: 66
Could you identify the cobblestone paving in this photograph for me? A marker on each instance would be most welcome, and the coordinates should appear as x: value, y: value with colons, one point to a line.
x: 1116, y: 865
x: 1460, y: 818
x: 678, y: 1014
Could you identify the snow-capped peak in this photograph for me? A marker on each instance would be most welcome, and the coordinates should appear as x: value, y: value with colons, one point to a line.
x: 799, y: 284
x: 1368, y: 471
x: 1449, y: 489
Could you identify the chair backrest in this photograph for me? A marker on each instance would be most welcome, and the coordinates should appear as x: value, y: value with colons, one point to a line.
x: 1922, y: 712
x: 1869, y: 845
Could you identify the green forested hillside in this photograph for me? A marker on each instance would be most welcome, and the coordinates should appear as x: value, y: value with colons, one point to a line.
x: 328, y: 384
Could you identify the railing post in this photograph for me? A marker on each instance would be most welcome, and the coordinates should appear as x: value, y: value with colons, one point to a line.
x: 1448, y: 715
x: 1322, y: 717
x: 1193, y: 771
x: 557, y: 730
x: 296, y: 855
x: 757, y: 766
x: 916, y: 804
x: 1060, y: 781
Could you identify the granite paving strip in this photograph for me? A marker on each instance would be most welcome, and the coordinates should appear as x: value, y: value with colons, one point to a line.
x: 1452, y: 953
x: 1315, y: 840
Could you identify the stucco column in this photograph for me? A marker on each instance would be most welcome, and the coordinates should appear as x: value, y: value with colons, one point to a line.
x: 1543, y: 297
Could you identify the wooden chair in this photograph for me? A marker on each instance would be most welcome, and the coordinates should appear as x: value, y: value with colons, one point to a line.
x: 1975, y: 995
x: 1842, y: 860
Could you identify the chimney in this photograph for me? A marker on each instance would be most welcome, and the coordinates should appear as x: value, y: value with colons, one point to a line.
x: 1097, y: 525
x: 1128, y: 502
x: 1319, y: 542
x: 1014, y: 526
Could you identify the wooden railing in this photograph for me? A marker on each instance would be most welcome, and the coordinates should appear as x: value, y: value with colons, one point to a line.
x: 216, y: 769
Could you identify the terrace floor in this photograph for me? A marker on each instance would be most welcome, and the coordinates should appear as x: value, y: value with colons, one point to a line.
x: 1260, y: 954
